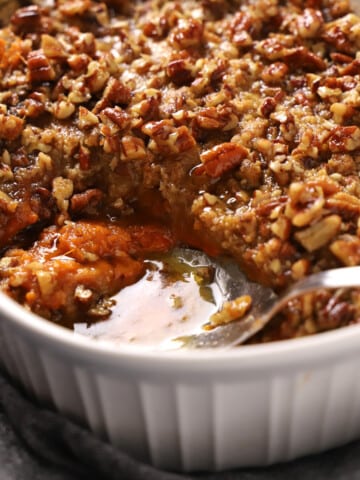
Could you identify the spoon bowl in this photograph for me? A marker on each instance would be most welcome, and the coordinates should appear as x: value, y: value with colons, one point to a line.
x: 265, y: 303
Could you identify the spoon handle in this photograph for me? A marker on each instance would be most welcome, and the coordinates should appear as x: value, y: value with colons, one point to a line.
x: 345, y: 277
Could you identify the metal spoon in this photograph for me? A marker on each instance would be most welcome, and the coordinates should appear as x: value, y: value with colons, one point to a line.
x: 266, y: 303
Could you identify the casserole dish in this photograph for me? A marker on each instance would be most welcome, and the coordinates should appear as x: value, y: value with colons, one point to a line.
x: 189, y: 411
x: 254, y: 405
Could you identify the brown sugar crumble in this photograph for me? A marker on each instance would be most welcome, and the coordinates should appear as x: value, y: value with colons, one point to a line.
x: 129, y: 127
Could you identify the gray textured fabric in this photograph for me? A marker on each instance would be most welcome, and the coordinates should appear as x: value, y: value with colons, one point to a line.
x: 37, y: 444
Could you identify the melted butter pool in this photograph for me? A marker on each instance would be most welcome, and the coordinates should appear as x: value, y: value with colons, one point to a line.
x: 173, y: 298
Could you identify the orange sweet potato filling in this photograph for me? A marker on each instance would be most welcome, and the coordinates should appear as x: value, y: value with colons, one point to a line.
x: 69, y: 269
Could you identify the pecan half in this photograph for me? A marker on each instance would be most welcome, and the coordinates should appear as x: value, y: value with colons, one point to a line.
x: 222, y: 158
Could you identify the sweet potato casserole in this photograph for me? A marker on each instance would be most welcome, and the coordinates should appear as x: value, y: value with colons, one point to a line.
x: 129, y: 127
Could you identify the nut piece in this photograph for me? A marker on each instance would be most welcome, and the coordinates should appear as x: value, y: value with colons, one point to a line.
x: 319, y: 234
x: 344, y: 139
x: 26, y: 19
x: 10, y: 126
x: 168, y: 138
x: 39, y: 67
x: 306, y: 203
x: 62, y: 191
x: 233, y: 310
x: 213, y: 118
x: 63, y: 109
x: 52, y: 48
x: 275, y: 72
x: 221, y: 159
x: 309, y: 24
x: 188, y: 33
x: 133, y: 148
x: 87, y: 119
x: 347, y: 249
x: 85, y: 200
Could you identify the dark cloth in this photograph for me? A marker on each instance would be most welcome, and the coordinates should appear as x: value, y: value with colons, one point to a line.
x: 38, y: 444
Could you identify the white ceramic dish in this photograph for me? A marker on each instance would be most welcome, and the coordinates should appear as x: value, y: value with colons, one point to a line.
x: 253, y: 405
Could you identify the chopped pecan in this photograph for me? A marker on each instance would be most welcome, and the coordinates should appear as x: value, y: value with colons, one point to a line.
x: 115, y: 93
x: 352, y: 68
x: 26, y: 19
x: 222, y: 158
x: 74, y: 7
x: 52, y: 48
x: 188, y: 33
x: 344, y: 204
x: 242, y: 27
x: 275, y: 72
x: 7, y: 204
x: 344, y: 139
x: 216, y: 118
x: 85, y: 44
x: 87, y: 119
x: 232, y: 310
x: 180, y: 71
x: 168, y: 138
x: 84, y: 158
x: 63, y: 109
x: 158, y: 29
x: 133, y: 148
x: 250, y: 173
x: 335, y: 314
x: 300, y: 268
x: 309, y: 24
x: 341, y: 57
x: 282, y: 228
x: 96, y: 76
x: 62, y: 191
x: 118, y: 116
x: 281, y: 48
x: 339, y: 34
x: 147, y: 109
x: 10, y: 127
x: 268, y: 106
x: 40, y: 69
x: 304, y: 58
x: 78, y: 62
x: 319, y: 234
x: 306, y: 203
x: 347, y: 249
x: 85, y: 200
x: 342, y: 163
x: 342, y: 112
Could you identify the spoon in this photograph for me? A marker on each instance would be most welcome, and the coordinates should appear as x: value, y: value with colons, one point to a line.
x: 265, y: 303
